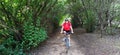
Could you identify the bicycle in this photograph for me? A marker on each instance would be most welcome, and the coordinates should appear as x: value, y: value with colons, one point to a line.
x: 67, y: 41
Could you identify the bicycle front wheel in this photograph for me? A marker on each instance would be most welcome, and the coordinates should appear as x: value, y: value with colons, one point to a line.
x: 67, y: 42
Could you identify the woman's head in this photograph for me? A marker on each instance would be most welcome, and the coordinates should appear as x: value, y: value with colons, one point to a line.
x: 66, y: 20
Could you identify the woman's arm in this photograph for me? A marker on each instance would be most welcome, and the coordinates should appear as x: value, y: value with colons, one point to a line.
x: 61, y: 30
x: 71, y: 29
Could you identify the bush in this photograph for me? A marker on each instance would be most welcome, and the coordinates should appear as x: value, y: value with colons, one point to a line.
x: 89, y: 23
x: 33, y: 36
x: 11, y: 47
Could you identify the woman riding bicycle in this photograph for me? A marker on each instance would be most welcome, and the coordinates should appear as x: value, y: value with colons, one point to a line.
x: 67, y: 28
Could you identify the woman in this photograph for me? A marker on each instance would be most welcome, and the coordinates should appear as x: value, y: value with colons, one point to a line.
x: 67, y: 28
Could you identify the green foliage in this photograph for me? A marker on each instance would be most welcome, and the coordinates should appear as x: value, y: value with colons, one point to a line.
x: 15, y: 13
x: 109, y: 30
x: 11, y: 47
x: 89, y: 22
x: 56, y: 22
x: 33, y: 36
x: 58, y: 13
x: 75, y: 22
x: 63, y: 18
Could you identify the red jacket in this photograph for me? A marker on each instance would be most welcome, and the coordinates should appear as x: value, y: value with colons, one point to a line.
x: 66, y: 26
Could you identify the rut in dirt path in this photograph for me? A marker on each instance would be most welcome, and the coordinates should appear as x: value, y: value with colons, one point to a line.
x: 81, y: 44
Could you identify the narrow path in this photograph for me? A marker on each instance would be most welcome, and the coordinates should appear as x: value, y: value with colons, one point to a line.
x: 81, y: 44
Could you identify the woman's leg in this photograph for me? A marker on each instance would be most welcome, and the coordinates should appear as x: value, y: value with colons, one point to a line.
x: 64, y: 32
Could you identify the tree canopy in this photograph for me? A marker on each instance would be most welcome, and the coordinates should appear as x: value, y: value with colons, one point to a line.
x: 30, y: 21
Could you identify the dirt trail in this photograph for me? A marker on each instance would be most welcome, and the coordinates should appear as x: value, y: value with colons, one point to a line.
x: 81, y: 44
